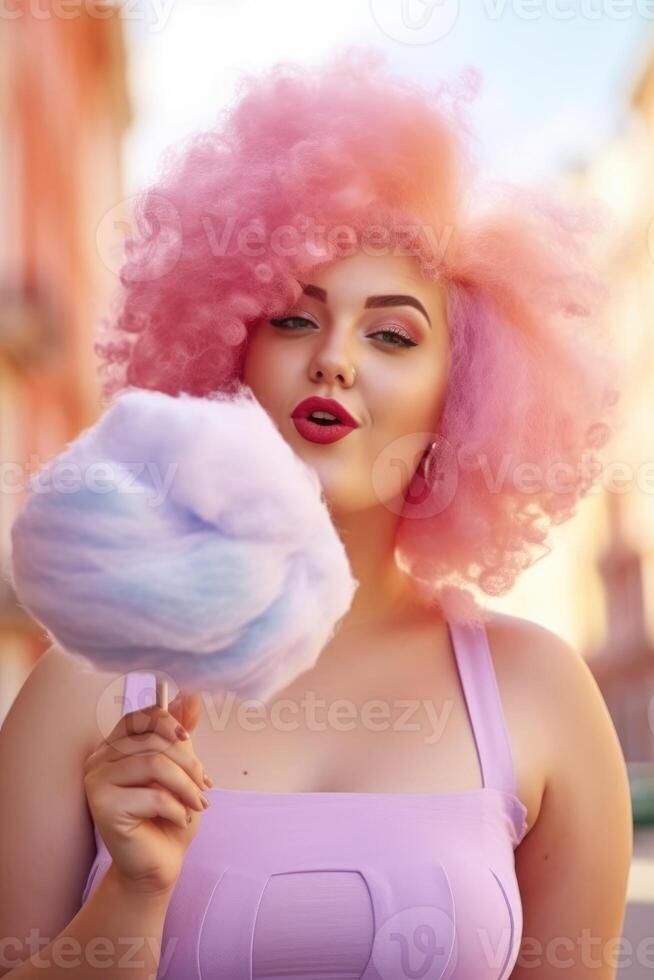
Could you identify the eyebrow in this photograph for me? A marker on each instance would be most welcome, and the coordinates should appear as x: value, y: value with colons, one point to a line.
x: 372, y: 301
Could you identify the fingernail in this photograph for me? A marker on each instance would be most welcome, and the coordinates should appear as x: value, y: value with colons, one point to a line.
x: 207, y: 779
x: 181, y: 732
x: 204, y: 801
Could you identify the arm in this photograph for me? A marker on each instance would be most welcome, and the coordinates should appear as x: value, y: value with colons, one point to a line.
x: 573, y: 865
x: 46, y: 833
x: 117, y: 930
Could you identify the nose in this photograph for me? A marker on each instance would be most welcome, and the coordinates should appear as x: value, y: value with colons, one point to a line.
x: 330, y: 363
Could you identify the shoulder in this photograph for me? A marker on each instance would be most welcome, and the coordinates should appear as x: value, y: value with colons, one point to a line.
x: 86, y: 703
x: 581, y: 750
x: 552, y: 677
x: 514, y: 636
x: 534, y: 662
x: 531, y: 664
x: 557, y: 675
x: 540, y: 661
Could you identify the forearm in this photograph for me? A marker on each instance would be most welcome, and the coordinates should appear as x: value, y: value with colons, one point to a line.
x: 117, y: 932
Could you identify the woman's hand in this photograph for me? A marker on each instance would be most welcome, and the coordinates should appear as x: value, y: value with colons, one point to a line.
x: 144, y: 787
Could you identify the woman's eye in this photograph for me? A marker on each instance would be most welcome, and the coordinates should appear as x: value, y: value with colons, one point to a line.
x: 403, y: 341
x: 282, y: 322
x: 399, y: 339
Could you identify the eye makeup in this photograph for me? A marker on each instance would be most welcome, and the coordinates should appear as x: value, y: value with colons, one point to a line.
x: 400, y: 337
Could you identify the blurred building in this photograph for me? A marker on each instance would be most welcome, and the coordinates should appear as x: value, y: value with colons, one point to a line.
x: 63, y: 111
x: 595, y: 588
x: 623, y: 658
x: 624, y: 662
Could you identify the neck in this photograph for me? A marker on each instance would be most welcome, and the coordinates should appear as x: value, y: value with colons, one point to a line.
x: 384, y: 591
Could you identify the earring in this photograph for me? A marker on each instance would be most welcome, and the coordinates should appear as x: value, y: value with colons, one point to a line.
x: 428, y: 463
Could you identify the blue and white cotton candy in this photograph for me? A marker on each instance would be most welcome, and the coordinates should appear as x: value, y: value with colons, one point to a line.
x: 183, y: 535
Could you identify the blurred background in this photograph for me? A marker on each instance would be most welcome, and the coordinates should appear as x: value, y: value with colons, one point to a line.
x: 91, y: 93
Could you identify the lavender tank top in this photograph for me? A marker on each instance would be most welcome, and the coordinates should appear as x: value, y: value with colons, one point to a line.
x: 353, y: 886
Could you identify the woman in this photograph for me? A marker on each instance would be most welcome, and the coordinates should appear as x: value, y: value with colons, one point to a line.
x: 434, y: 791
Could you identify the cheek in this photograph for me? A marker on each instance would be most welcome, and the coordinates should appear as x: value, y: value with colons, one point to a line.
x: 260, y: 366
x: 269, y: 372
x: 411, y: 402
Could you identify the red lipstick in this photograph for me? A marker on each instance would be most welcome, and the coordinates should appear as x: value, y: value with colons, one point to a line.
x: 325, y: 431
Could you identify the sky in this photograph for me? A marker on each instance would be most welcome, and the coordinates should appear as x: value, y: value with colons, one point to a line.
x: 556, y: 74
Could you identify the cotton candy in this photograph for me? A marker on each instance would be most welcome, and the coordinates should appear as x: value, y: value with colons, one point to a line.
x: 183, y: 535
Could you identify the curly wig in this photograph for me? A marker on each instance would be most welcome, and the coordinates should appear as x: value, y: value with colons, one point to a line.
x: 309, y: 164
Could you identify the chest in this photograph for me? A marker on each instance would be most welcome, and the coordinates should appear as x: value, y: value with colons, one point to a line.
x: 379, y: 713
x: 372, y: 888
x: 349, y: 833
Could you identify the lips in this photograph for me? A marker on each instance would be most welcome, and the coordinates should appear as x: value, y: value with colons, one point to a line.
x: 316, y: 404
x: 322, y: 433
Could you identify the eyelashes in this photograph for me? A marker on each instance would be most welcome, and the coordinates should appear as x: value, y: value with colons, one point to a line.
x: 402, y: 340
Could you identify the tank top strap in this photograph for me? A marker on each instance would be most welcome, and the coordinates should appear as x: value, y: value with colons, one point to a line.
x: 482, y: 696
x: 139, y: 691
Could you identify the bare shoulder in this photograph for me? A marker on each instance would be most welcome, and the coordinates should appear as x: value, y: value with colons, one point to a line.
x: 557, y: 678
x: 86, y: 702
x: 514, y: 636
x: 544, y: 671
x: 569, y: 718
x: 540, y: 661
x: 541, y: 678
x: 565, y: 693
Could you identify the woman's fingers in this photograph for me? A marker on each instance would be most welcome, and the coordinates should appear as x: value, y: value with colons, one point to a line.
x: 148, y: 803
x: 156, y: 767
x: 150, y: 742
x: 150, y: 719
x: 186, y: 708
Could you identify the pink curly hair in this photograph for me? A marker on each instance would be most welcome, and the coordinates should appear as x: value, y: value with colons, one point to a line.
x: 237, y: 218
